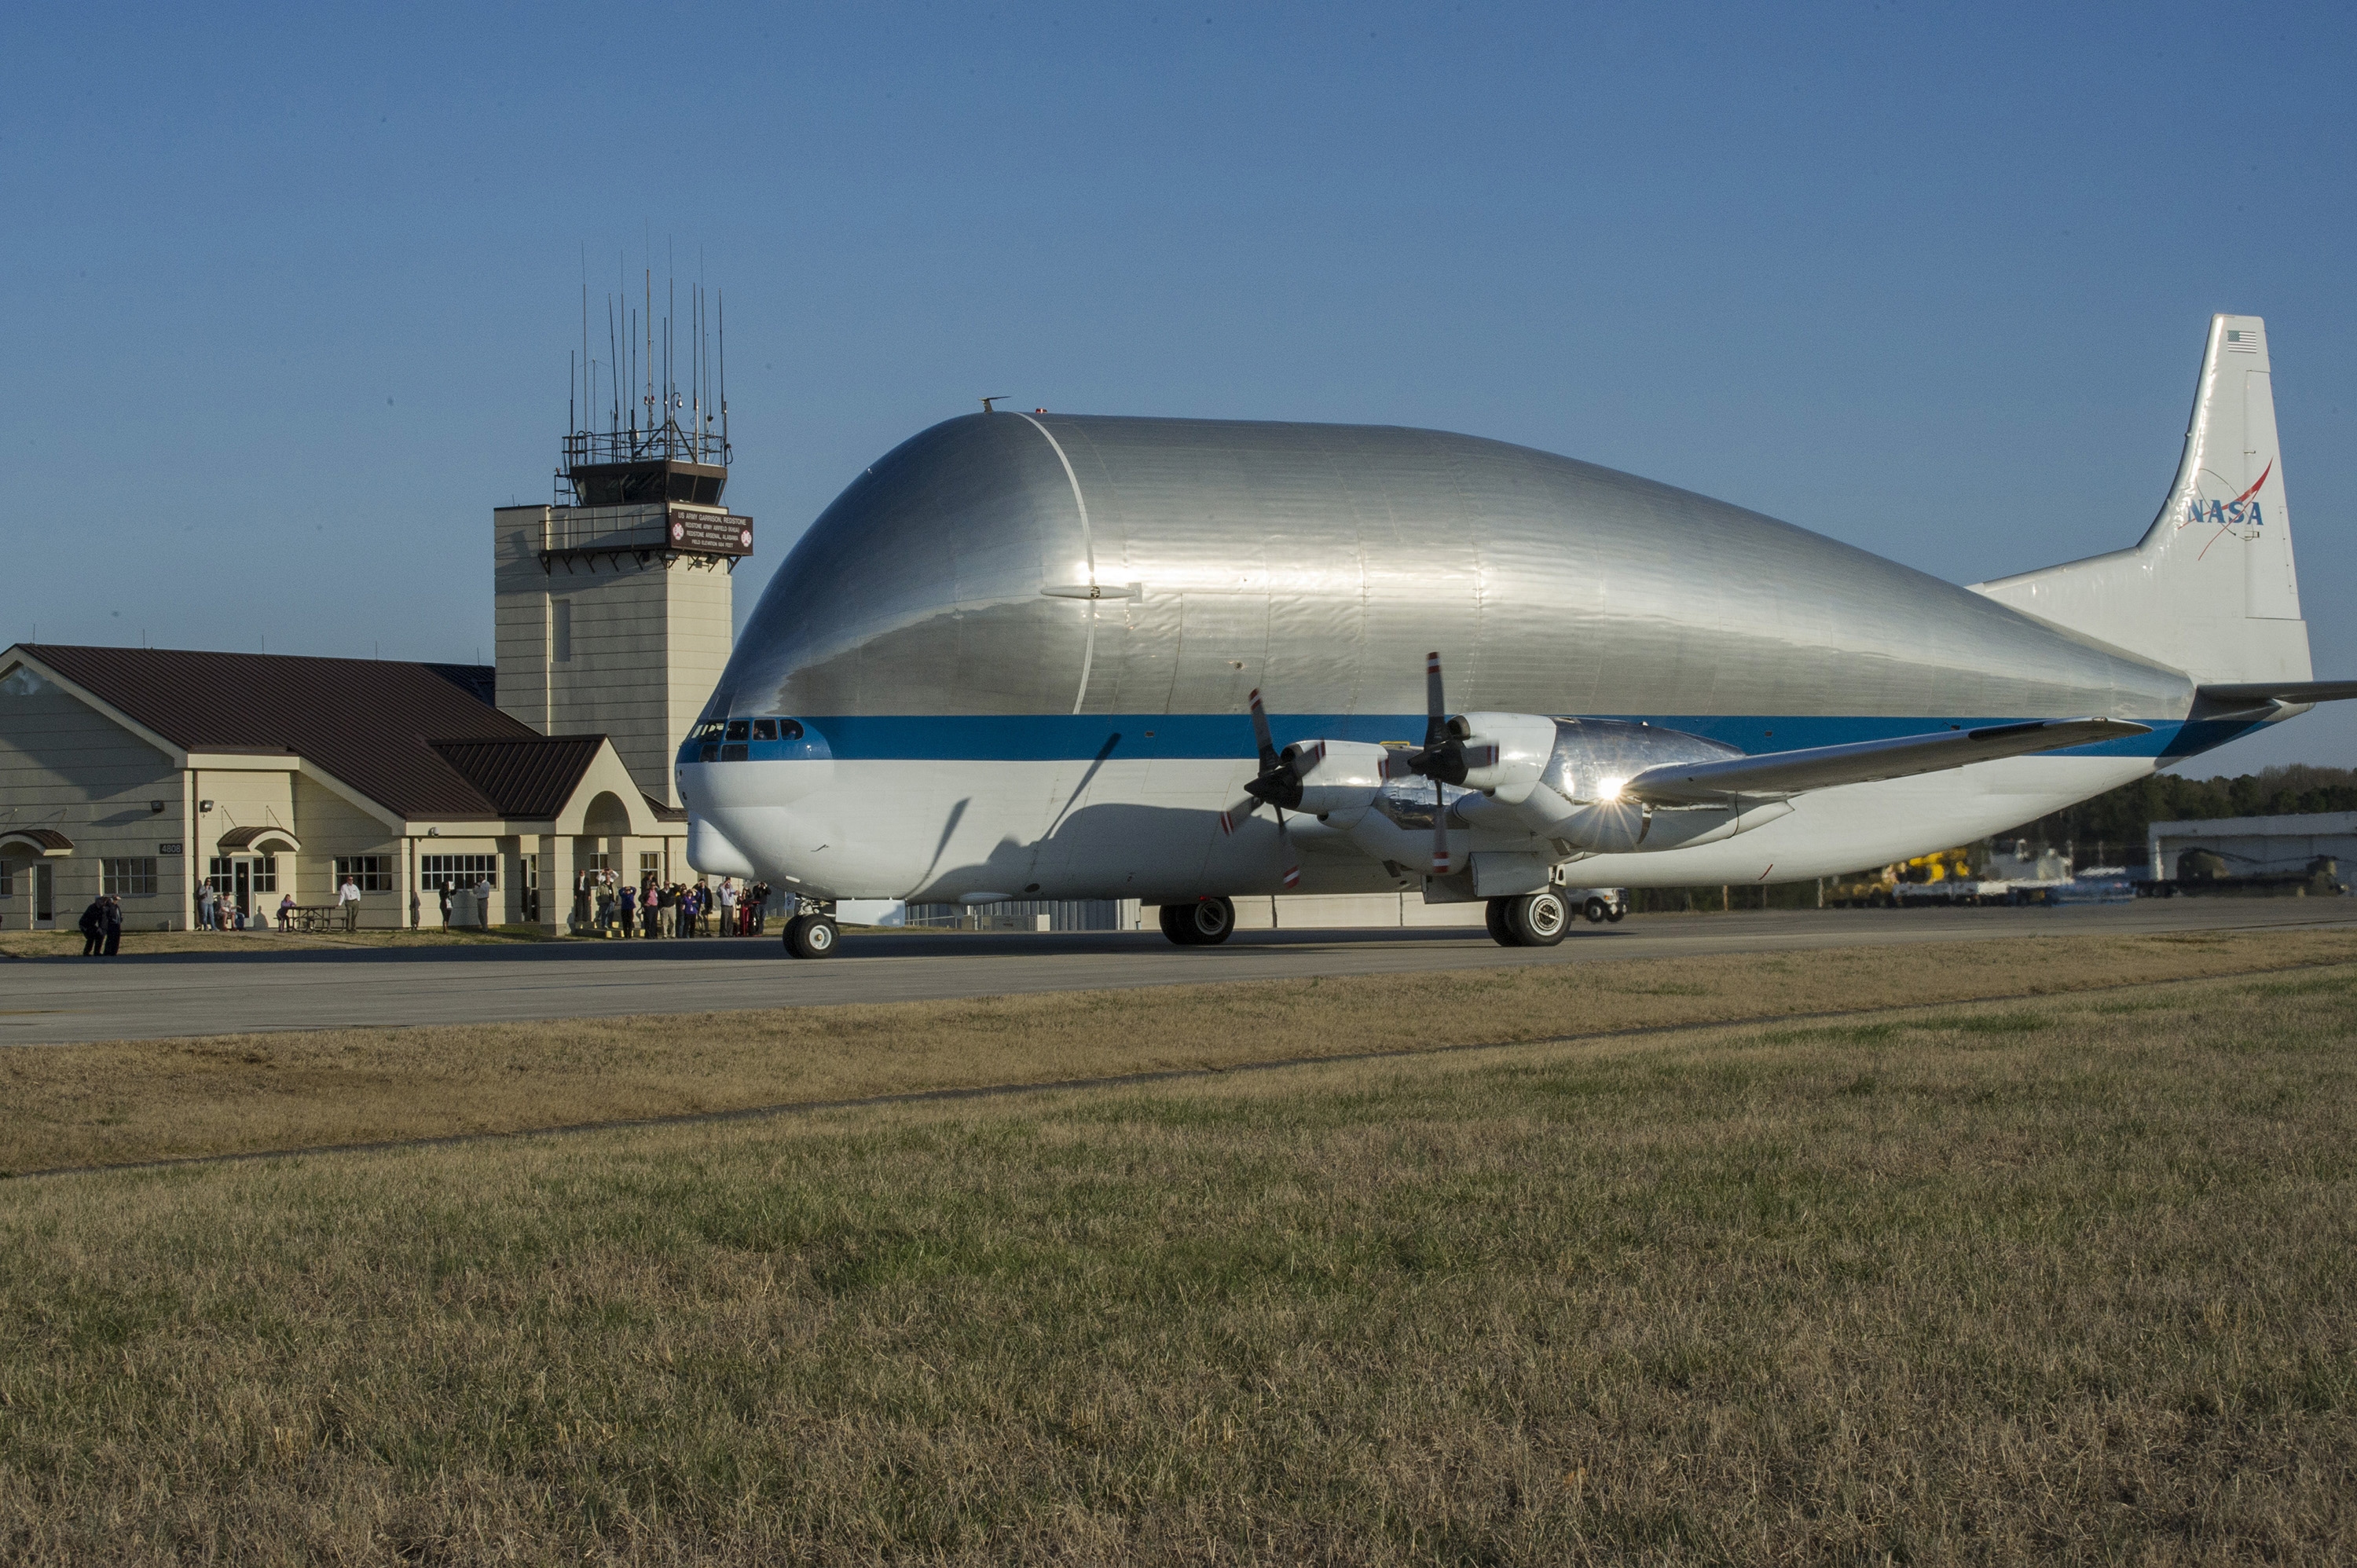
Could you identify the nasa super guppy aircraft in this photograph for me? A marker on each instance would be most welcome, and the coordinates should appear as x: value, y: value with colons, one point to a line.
x: 1026, y: 656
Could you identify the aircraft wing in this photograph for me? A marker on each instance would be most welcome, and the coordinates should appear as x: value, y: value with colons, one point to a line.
x: 1822, y: 767
x: 2253, y: 696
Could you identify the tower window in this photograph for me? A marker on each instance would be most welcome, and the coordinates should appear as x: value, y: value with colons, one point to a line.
x: 560, y: 633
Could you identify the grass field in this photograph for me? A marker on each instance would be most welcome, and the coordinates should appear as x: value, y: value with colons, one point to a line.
x: 113, y: 1104
x: 2065, y: 1278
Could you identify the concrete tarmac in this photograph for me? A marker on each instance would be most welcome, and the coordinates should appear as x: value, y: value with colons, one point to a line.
x: 250, y: 988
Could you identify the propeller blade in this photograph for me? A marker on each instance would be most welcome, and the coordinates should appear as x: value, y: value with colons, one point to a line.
x: 1436, y: 706
x: 1439, y: 831
x: 1284, y: 846
x: 1233, y: 817
x: 1260, y: 734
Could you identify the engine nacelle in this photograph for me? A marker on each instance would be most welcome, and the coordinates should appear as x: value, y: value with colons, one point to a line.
x: 1577, y: 799
x: 1506, y: 754
x: 1337, y: 775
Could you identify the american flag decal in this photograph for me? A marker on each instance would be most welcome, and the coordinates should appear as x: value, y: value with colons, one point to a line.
x: 2242, y: 341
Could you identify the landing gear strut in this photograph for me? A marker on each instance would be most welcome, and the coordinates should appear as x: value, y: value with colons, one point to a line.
x: 1533, y: 921
x: 1204, y: 923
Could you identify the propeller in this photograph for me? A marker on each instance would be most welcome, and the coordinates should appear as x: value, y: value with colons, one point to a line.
x: 1278, y: 786
x: 1447, y: 755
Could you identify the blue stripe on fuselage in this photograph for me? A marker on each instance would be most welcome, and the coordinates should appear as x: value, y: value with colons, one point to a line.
x: 1056, y: 737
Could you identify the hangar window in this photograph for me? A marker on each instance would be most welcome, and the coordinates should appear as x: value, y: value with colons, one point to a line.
x: 459, y: 870
x: 131, y: 878
x: 649, y: 863
x: 740, y: 729
x: 370, y: 873
x: 265, y: 874
x: 560, y: 631
x: 8, y: 881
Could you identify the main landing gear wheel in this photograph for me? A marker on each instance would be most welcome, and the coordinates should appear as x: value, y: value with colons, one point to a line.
x: 1204, y: 923
x: 1538, y: 919
x: 812, y: 936
x: 1499, y: 918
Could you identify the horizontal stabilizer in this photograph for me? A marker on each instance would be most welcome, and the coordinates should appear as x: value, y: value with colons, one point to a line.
x: 2249, y: 697
x: 1823, y: 767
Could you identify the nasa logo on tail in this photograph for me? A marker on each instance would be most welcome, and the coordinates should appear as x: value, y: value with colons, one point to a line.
x: 2241, y: 516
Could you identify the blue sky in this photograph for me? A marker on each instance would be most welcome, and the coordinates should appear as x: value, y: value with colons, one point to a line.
x: 289, y: 292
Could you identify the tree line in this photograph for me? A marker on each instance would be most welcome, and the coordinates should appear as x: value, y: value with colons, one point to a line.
x: 2119, y: 817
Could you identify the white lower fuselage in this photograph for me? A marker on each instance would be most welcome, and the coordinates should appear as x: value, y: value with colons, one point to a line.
x: 937, y: 831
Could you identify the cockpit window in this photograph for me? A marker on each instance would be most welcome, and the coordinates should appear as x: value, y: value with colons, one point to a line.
x: 789, y: 730
x: 765, y: 729
x: 738, y: 729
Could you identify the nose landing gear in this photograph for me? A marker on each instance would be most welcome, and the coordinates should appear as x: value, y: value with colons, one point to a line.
x: 1204, y: 923
x: 813, y: 933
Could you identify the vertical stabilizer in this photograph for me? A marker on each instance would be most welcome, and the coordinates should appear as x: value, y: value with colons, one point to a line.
x: 2210, y: 589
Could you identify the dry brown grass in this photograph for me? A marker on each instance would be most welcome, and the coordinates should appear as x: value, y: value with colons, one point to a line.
x: 2062, y: 1280
x: 147, y: 1100
x: 117, y: 1102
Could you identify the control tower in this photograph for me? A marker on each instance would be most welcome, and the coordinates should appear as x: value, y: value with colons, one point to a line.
x: 614, y: 612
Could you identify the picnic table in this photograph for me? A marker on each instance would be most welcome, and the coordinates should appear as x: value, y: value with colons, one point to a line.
x: 315, y: 917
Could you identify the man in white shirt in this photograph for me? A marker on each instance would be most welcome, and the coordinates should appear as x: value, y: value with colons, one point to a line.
x: 727, y: 907
x: 483, y: 902
x: 347, y: 903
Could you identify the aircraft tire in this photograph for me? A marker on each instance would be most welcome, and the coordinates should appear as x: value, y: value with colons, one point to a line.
x: 1539, y: 919
x: 1210, y: 921
x: 1177, y: 924
x: 1500, y: 919
x: 1596, y: 909
x: 812, y: 936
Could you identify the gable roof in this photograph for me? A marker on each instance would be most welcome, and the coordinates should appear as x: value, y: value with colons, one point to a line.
x: 530, y: 779
x: 416, y: 738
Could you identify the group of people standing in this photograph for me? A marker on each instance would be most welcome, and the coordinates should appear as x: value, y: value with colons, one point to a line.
x: 216, y: 911
x: 101, y: 927
x: 606, y: 906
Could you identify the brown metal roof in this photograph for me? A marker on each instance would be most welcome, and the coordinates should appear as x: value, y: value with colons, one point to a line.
x: 378, y: 724
x: 530, y: 779
x: 244, y: 838
x: 49, y: 841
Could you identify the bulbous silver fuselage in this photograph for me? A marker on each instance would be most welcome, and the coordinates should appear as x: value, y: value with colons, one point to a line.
x: 1319, y: 562
x: 1093, y: 599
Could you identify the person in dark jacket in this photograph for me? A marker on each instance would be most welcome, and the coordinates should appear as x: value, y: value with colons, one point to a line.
x: 93, y: 927
x: 113, y: 923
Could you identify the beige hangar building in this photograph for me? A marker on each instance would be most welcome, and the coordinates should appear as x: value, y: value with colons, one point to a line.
x: 147, y: 772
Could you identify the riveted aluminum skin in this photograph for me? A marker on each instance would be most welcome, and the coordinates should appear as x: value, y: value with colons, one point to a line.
x: 1321, y: 561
